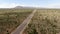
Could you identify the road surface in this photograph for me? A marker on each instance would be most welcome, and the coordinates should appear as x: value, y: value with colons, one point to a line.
x: 22, y: 26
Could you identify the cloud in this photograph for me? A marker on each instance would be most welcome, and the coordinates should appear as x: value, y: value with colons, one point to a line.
x: 53, y: 5
x: 6, y: 5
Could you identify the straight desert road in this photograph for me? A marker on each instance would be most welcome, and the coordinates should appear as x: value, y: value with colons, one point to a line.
x: 24, y: 24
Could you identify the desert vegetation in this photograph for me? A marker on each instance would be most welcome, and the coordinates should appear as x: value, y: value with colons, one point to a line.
x: 45, y: 21
x: 11, y: 18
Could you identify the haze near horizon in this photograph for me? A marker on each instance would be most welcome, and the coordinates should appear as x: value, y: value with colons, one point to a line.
x: 30, y: 3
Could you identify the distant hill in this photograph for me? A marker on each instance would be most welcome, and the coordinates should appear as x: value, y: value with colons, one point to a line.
x: 25, y: 7
x: 21, y: 7
x: 18, y: 7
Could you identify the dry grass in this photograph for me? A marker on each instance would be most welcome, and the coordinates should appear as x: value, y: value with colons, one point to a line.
x: 11, y: 18
x: 44, y: 22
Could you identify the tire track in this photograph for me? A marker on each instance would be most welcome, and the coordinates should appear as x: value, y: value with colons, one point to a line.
x: 24, y: 24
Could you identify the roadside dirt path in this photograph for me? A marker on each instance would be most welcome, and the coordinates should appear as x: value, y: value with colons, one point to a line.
x: 24, y: 24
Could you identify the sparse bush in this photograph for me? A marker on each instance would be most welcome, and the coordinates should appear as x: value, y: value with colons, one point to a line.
x: 10, y: 19
x: 45, y: 22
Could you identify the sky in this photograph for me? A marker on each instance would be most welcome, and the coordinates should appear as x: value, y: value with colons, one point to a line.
x: 30, y: 3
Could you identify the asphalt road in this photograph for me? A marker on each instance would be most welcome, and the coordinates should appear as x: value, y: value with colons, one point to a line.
x: 21, y: 27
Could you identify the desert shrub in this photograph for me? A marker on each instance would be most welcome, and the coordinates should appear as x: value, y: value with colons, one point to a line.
x: 44, y: 22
